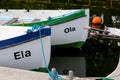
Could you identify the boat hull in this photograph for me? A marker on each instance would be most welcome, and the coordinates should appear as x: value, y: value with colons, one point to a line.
x: 25, y: 53
x: 69, y: 34
x: 67, y: 29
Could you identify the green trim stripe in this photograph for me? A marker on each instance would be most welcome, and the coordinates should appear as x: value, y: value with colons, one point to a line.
x: 74, y: 45
x: 58, y: 20
x: 54, y: 21
x: 42, y: 69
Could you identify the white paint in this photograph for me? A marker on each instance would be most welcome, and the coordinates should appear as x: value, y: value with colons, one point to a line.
x: 36, y: 60
x: 7, y: 32
x: 57, y: 31
x: 80, y: 34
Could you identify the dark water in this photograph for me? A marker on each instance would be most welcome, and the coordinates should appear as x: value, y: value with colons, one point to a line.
x: 101, y: 55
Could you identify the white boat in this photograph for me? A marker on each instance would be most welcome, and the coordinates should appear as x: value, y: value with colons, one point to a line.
x: 22, y: 50
x: 66, y: 25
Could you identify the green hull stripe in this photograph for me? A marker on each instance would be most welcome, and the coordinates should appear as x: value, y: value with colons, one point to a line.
x: 58, y: 20
x: 42, y: 69
x: 55, y: 21
x: 74, y: 45
x: 107, y: 79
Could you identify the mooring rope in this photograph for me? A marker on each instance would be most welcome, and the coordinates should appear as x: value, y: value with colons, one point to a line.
x: 53, y: 76
x: 39, y: 27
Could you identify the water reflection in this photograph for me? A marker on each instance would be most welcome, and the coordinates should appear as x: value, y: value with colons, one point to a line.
x: 102, y: 55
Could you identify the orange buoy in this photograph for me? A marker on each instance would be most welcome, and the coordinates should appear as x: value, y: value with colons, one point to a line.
x: 96, y: 20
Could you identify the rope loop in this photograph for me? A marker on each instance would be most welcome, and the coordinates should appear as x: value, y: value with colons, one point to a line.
x: 34, y: 28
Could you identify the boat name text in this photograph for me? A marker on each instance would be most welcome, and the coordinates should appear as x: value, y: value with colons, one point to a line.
x: 22, y: 54
x: 70, y: 29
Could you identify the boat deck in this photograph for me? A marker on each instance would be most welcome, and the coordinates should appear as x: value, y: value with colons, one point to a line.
x: 15, y: 20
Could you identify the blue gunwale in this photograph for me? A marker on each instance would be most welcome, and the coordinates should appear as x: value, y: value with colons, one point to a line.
x: 24, y: 38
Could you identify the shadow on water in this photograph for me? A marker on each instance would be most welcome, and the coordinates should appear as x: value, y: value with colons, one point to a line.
x: 101, y: 55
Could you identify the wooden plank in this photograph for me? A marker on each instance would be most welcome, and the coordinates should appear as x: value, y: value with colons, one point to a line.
x: 11, y: 21
x: 36, y: 20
